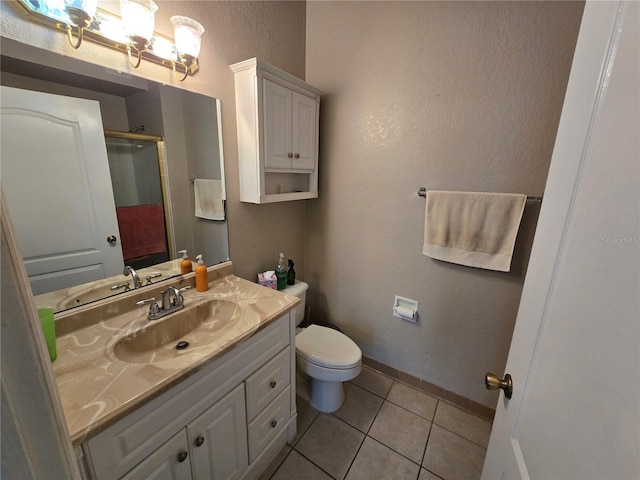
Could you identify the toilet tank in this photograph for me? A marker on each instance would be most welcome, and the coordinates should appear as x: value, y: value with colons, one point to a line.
x: 298, y: 290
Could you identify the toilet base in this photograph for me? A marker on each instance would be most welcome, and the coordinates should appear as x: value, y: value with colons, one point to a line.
x: 326, y: 396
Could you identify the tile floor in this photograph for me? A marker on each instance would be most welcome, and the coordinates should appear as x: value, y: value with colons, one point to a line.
x: 384, y: 430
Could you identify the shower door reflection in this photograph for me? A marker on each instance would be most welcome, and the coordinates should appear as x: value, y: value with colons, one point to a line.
x: 136, y: 164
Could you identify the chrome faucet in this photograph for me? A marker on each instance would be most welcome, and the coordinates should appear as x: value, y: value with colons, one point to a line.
x: 168, y: 305
x: 136, y: 279
x: 178, y: 299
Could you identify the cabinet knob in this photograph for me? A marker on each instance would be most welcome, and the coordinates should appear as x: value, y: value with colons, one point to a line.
x: 274, y: 423
x: 182, y: 456
x: 290, y: 155
x: 273, y: 384
x: 297, y: 155
x: 199, y: 441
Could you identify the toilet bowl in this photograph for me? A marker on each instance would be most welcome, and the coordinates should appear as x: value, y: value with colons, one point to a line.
x: 326, y: 355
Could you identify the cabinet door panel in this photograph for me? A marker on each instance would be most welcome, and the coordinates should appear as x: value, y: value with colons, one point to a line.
x: 305, y: 132
x: 164, y: 464
x: 223, y: 453
x: 277, y: 125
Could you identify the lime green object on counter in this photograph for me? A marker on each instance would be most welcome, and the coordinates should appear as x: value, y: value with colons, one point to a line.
x: 49, y: 329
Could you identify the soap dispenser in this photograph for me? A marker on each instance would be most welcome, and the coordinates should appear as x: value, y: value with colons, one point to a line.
x: 185, y: 265
x: 281, y: 273
x: 202, y: 280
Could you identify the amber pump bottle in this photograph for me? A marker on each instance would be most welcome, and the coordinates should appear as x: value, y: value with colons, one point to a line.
x: 202, y: 280
x: 185, y: 265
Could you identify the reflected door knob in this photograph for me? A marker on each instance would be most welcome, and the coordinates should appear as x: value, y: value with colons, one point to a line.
x: 493, y: 383
x: 112, y: 239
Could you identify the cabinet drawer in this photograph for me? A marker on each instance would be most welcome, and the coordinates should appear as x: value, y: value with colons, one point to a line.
x: 265, y: 384
x: 270, y: 421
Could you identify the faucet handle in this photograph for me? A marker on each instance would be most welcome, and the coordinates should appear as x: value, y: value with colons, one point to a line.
x: 124, y: 285
x: 179, y: 300
x: 153, y: 275
x: 154, y: 308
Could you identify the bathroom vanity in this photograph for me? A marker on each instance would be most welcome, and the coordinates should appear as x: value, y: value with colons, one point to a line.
x: 223, y: 407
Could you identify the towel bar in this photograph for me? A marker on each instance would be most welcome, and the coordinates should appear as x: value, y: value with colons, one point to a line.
x: 423, y: 193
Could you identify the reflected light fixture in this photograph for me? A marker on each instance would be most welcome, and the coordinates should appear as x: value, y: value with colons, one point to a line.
x: 138, y: 20
x: 187, y: 34
x: 132, y: 32
x: 81, y: 13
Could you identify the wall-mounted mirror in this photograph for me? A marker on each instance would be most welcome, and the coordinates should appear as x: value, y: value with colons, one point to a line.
x: 152, y: 142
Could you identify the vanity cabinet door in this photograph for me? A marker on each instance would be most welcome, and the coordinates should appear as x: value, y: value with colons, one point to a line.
x: 277, y: 101
x: 305, y: 132
x: 169, y: 462
x: 218, y: 439
x: 290, y: 129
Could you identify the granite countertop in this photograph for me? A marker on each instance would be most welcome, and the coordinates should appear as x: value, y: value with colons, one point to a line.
x: 100, y: 379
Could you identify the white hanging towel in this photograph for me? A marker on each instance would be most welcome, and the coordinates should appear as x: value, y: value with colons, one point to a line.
x: 473, y: 229
x: 209, y: 201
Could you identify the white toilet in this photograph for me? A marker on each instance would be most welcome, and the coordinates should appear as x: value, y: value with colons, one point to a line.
x: 324, y: 354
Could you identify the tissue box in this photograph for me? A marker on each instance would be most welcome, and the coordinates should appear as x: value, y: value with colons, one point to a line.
x: 270, y: 282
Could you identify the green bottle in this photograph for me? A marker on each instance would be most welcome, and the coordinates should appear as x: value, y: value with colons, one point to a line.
x: 281, y: 273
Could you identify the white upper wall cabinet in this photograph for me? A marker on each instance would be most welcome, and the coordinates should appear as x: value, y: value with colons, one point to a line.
x: 277, y: 117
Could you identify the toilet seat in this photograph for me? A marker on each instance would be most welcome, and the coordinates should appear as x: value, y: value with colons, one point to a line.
x: 327, y: 348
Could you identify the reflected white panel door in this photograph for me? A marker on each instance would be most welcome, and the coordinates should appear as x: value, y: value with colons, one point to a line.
x: 55, y: 178
x: 575, y: 354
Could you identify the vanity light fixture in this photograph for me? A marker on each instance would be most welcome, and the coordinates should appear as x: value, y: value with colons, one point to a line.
x: 81, y: 13
x: 132, y: 33
x: 187, y: 33
x: 138, y: 18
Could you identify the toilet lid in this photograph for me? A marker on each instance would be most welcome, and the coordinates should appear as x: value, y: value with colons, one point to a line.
x: 327, y: 347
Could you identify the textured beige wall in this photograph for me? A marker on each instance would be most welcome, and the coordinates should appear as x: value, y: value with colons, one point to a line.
x: 451, y: 96
x: 235, y: 31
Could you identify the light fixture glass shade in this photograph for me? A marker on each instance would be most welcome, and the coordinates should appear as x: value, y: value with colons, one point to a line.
x: 138, y: 17
x: 87, y: 6
x: 187, y: 35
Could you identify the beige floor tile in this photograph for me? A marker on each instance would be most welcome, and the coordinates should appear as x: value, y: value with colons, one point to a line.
x: 331, y: 444
x: 427, y: 475
x: 373, y: 381
x: 275, y: 464
x: 359, y: 408
x: 377, y: 462
x: 463, y: 423
x: 306, y: 415
x: 298, y: 467
x: 413, y: 400
x: 401, y: 430
x: 452, y: 457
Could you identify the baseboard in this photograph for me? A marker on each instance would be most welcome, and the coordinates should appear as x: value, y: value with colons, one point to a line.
x: 450, y: 397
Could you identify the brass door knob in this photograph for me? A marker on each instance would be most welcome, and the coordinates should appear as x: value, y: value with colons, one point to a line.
x: 493, y: 383
x: 111, y: 239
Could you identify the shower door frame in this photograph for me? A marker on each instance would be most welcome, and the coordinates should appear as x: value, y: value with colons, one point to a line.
x: 164, y: 178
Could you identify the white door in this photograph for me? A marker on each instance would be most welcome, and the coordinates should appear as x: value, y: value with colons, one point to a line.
x: 277, y: 125
x: 305, y: 112
x: 575, y: 354
x: 55, y: 178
